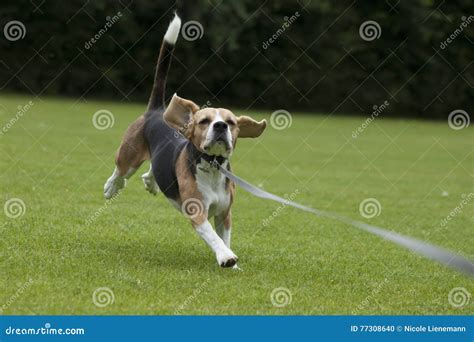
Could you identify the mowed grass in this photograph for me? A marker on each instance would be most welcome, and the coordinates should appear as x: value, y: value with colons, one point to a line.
x: 146, y: 252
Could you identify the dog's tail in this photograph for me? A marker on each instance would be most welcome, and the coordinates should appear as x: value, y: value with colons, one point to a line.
x: 157, y: 97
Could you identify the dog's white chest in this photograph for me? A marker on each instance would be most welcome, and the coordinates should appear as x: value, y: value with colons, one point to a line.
x: 211, y: 184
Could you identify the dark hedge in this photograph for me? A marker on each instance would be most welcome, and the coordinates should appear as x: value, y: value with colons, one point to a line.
x: 295, y: 55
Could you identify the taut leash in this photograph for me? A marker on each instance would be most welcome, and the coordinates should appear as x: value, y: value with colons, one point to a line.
x: 430, y: 251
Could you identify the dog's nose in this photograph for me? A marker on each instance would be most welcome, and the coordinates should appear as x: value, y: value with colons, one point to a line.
x: 220, y: 126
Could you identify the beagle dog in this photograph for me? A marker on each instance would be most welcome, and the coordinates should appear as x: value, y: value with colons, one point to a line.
x: 182, y: 140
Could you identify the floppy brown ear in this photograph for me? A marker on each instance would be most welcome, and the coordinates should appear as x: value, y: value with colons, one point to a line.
x: 250, y: 128
x: 179, y: 113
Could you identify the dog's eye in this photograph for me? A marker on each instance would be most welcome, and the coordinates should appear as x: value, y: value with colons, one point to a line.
x: 230, y: 122
x: 204, y: 122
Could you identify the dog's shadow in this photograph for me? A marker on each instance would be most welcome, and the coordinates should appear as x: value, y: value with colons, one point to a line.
x: 161, y: 255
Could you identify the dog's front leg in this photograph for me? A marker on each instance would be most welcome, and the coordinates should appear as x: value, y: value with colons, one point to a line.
x: 223, y: 225
x: 225, y: 257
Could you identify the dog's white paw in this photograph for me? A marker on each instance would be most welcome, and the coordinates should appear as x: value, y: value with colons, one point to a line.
x: 227, y: 259
x: 113, y: 185
x: 150, y: 183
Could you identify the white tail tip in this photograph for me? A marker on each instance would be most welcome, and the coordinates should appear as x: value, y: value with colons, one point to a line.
x: 172, y: 32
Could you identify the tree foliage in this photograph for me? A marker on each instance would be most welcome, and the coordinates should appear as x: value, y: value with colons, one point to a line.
x: 318, y: 62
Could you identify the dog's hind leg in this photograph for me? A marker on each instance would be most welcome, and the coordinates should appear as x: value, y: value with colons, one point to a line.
x: 132, y: 153
x: 116, y: 182
x: 150, y: 182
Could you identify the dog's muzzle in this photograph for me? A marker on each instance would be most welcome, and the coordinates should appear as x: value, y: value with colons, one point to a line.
x: 220, y: 142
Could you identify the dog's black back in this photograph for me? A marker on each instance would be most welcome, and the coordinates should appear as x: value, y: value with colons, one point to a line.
x: 165, y: 145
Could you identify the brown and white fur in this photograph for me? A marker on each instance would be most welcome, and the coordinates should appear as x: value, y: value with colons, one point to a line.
x: 181, y: 140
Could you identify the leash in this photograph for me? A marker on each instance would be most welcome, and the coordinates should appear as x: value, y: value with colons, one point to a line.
x: 429, y: 251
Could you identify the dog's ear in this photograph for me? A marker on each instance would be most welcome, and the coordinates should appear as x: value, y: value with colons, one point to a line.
x: 250, y: 128
x: 179, y: 113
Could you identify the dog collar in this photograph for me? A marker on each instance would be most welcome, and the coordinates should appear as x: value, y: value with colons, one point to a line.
x: 196, y: 156
x: 214, y: 162
x: 213, y: 159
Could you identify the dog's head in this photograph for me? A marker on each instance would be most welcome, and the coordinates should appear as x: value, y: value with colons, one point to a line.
x: 213, y: 131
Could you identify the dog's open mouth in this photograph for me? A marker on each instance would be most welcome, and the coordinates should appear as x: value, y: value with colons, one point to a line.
x: 219, y: 146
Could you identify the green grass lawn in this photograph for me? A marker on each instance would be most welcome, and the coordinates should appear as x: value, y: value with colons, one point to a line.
x: 147, y: 254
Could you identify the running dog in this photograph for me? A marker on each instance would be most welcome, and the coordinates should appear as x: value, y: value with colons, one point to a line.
x: 182, y: 141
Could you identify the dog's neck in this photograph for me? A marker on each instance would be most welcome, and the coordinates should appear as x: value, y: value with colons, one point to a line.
x: 211, y: 159
x: 196, y: 156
